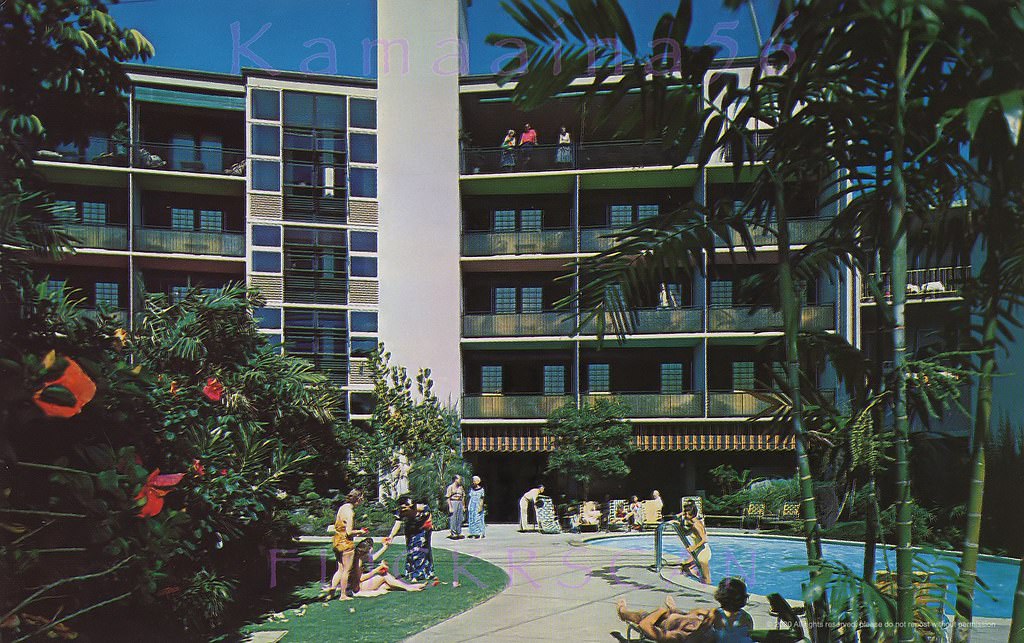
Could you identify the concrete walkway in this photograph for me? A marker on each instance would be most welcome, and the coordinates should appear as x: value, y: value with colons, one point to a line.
x: 561, y: 589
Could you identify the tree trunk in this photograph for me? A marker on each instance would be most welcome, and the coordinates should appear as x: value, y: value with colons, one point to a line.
x: 898, y: 265
x: 982, y: 426
x: 790, y: 303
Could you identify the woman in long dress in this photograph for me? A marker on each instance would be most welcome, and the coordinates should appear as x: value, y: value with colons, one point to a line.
x: 418, y: 524
x: 477, y: 527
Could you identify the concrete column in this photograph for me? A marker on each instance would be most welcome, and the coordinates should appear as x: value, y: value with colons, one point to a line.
x: 418, y: 131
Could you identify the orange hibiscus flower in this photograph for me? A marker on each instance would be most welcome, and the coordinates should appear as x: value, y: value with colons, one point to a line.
x: 74, y: 381
x: 153, y: 491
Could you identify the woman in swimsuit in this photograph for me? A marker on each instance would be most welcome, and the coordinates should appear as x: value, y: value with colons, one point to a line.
x: 697, y: 542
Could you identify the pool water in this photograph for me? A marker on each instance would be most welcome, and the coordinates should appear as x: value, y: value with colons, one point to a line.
x: 759, y: 561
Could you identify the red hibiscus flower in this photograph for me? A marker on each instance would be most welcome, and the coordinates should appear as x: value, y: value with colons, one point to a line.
x: 65, y: 396
x: 153, y: 491
x: 198, y: 468
x: 213, y: 390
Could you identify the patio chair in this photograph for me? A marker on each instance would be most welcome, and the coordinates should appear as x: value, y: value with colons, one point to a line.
x: 547, y: 518
x: 753, y: 515
x: 650, y: 514
x: 789, y: 514
x: 586, y: 519
x: 928, y: 597
x: 617, y: 510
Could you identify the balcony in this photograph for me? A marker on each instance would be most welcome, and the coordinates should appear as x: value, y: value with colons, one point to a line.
x: 588, y: 156
x: 517, y: 325
x: 181, y: 157
x: 649, y: 321
x: 596, y: 239
x: 801, y: 232
x: 656, y: 405
x: 736, y: 319
x: 107, y: 237
x: 224, y: 244
x: 923, y: 284
x: 120, y: 316
x: 512, y: 406
x: 549, y: 241
x: 722, y: 404
x: 98, y: 151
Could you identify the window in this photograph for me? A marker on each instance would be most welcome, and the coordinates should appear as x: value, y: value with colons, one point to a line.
x: 298, y: 109
x: 65, y: 211
x: 621, y: 216
x: 364, y: 266
x: 363, y: 148
x: 742, y: 375
x: 94, y: 213
x: 266, y: 235
x: 554, y: 379
x: 183, y: 218
x: 533, y: 299
x: 646, y: 211
x: 363, y: 347
x: 530, y: 220
x: 266, y: 175
x: 721, y: 292
x: 364, y: 322
x: 314, y: 110
x: 490, y: 379
x: 362, y: 403
x: 671, y: 379
x: 55, y: 285
x: 363, y: 241
x: 364, y: 182
x: 671, y: 296
x: 108, y: 294
x: 211, y: 220
x: 266, y: 140
x: 179, y: 293
x: 504, y: 300
x: 266, y: 261
x: 266, y: 104
x: 330, y: 111
x: 504, y: 220
x: 267, y: 317
x: 364, y: 113
x: 598, y: 378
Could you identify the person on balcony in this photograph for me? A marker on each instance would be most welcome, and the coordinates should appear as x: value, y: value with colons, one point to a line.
x: 563, y: 155
x: 527, y: 142
x: 508, y: 150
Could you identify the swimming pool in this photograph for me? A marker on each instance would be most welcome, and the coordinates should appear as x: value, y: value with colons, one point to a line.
x: 759, y: 560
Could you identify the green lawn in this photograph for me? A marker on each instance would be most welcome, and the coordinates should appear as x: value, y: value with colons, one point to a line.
x: 391, y: 617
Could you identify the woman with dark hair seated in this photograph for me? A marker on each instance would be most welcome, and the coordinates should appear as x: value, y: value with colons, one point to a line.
x: 732, y: 622
x: 376, y: 580
x: 417, y: 521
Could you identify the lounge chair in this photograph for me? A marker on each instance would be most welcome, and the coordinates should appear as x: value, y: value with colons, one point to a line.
x: 754, y: 514
x: 547, y: 518
x: 789, y: 514
x: 784, y: 613
x: 618, y: 510
x: 586, y: 521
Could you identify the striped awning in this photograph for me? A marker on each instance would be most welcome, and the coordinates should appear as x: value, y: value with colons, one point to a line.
x: 527, y: 439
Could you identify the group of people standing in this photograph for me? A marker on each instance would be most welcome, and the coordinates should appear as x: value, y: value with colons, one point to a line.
x: 466, y: 505
x: 525, y: 143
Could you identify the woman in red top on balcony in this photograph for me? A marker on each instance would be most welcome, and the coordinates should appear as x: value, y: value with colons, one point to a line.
x: 528, y: 141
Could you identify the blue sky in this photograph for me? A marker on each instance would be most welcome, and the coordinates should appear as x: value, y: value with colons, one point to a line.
x: 327, y: 36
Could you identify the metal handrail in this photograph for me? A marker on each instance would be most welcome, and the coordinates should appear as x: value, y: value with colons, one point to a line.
x: 596, y: 155
x: 204, y: 242
x: 942, y: 281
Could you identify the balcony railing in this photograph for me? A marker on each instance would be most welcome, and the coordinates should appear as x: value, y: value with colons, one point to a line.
x: 548, y: 241
x: 656, y: 405
x: 120, y: 315
x: 539, y: 158
x: 924, y: 283
x: 734, y: 404
x: 98, y: 151
x: 516, y: 325
x: 511, y: 406
x: 801, y: 231
x: 596, y: 239
x: 723, y: 319
x: 188, y: 158
x: 108, y: 237
x: 225, y: 244
x: 315, y: 288
x: 656, y: 320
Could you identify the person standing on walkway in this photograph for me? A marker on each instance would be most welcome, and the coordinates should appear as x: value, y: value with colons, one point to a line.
x: 417, y: 521
x: 456, y: 496
x: 345, y: 548
x: 508, y: 151
x: 530, y: 497
x: 476, y: 509
x: 563, y: 154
